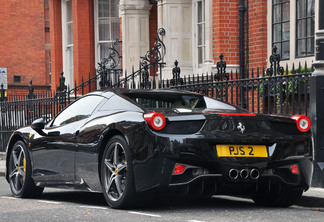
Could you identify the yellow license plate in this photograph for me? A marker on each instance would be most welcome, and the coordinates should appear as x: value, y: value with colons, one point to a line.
x: 242, y: 151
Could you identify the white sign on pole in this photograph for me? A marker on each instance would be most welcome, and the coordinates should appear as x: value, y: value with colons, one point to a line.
x: 4, y: 77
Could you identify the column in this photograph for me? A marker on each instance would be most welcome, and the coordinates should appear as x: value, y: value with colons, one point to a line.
x: 175, y: 16
x: 135, y: 31
x: 316, y: 102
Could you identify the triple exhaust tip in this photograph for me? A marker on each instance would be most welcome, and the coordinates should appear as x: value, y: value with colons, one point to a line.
x: 244, y: 173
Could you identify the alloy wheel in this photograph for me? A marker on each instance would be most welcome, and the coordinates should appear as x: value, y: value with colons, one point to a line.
x: 115, y: 171
x: 17, y: 168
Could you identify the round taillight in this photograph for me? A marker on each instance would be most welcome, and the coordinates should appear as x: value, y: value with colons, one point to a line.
x: 155, y: 120
x: 303, y: 123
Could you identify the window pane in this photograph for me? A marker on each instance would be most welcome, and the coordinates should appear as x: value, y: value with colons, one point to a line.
x: 104, y: 50
x: 277, y: 13
x: 115, y: 27
x: 104, y: 29
x: 103, y: 7
x: 310, y: 46
x: 278, y: 45
x: 310, y: 27
x: 69, y: 11
x: 69, y: 33
x: 301, y: 29
x: 200, y: 14
x: 301, y: 47
x: 286, y: 12
x: 200, y: 36
x: 277, y: 33
x: 71, y: 66
x: 79, y: 110
x: 311, y: 8
x: 285, y: 31
x: 301, y: 9
x: 114, y: 8
x: 200, y: 55
x: 285, y: 50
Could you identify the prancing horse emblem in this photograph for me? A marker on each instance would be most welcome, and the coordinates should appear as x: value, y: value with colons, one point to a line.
x: 241, y: 127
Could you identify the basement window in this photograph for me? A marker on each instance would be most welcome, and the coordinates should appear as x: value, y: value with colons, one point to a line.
x: 17, y: 79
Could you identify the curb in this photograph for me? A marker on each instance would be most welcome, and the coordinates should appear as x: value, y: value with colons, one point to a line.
x: 2, y: 159
x: 2, y: 155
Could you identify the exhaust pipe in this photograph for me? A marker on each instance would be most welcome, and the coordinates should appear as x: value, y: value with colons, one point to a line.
x: 255, y: 174
x: 233, y: 174
x: 244, y: 173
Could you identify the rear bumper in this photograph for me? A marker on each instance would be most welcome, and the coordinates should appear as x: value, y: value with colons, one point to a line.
x: 216, y: 179
x: 154, y: 164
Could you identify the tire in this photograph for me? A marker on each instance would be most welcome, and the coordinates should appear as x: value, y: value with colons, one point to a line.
x: 19, y: 173
x: 117, y: 177
x: 284, y: 198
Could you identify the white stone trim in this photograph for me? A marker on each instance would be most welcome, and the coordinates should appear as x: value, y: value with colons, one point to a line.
x: 135, y: 31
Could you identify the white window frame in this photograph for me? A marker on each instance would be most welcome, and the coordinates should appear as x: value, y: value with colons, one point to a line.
x: 96, y: 30
x: 68, y: 57
x: 293, y: 53
x: 199, y: 66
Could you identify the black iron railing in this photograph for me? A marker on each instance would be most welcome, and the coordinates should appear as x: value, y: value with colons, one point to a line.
x: 272, y: 91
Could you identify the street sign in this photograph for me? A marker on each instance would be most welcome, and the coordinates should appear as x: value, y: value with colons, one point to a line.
x: 4, y: 77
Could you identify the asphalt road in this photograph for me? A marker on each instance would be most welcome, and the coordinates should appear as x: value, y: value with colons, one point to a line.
x: 61, y: 205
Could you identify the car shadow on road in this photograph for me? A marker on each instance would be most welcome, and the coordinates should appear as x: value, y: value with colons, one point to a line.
x: 160, y: 202
x: 167, y: 202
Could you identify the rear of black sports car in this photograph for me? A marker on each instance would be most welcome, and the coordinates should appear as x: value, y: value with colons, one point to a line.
x: 227, y: 151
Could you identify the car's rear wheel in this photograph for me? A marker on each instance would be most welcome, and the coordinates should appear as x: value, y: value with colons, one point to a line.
x: 284, y: 198
x: 19, y: 173
x: 117, y: 176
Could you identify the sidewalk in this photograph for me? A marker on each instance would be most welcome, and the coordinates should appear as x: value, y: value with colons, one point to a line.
x: 314, y: 197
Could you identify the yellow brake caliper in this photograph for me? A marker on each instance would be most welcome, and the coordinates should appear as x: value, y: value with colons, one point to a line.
x: 24, y: 162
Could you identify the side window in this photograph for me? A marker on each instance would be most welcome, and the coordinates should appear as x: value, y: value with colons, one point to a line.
x: 215, y: 104
x: 79, y: 110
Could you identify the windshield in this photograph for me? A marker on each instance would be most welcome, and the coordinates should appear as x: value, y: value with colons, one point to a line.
x: 177, y: 100
x: 168, y: 100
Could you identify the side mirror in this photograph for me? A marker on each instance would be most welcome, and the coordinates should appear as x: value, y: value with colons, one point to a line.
x: 38, y: 125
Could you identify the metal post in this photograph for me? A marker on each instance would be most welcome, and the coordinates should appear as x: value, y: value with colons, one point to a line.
x: 242, y: 10
x: 316, y: 103
x: 2, y: 94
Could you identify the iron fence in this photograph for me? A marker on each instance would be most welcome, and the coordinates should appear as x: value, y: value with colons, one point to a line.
x: 271, y: 91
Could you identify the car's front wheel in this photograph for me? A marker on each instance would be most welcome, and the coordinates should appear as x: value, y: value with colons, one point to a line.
x: 117, y: 176
x: 19, y: 173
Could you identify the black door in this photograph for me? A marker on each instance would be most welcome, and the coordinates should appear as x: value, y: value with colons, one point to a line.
x: 53, y: 155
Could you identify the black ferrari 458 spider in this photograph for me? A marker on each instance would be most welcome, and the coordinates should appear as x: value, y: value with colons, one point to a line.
x: 130, y: 144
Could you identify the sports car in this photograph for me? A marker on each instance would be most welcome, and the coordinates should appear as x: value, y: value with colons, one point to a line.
x: 130, y: 144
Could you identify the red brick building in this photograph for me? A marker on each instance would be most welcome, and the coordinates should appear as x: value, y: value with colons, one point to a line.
x: 24, y: 44
x: 197, y: 31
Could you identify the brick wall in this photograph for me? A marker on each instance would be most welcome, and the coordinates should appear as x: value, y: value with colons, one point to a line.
x: 56, y: 41
x: 83, y: 40
x: 257, y: 33
x: 226, y: 30
x: 22, y: 38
